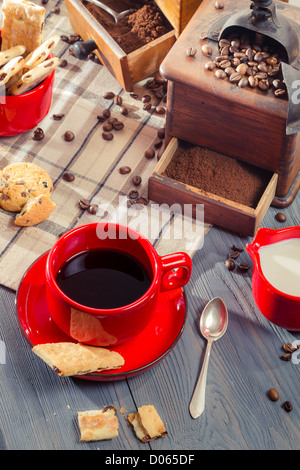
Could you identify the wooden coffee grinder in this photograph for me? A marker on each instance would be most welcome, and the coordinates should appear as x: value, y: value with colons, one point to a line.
x: 249, y: 124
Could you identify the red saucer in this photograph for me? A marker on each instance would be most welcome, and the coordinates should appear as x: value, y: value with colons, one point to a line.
x: 140, y: 353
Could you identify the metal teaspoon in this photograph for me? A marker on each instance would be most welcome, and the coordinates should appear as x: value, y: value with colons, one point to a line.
x: 213, y: 324
x: 116, y: 16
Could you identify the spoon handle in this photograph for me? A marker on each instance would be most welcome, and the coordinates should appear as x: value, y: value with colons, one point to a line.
x: 197, y: 403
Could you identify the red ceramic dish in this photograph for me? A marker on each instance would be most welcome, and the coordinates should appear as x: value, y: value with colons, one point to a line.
x: 144, y: 351
x: 278, y: 307
x: 21, y: 113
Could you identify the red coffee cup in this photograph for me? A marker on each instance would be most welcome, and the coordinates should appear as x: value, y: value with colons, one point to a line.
x: 109, y: 327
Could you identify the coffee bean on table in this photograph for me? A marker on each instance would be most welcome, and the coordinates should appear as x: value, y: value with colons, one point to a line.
x: 106, y: 113
x: 149, y: 153
x: 107, y: 135
x: 107, y: 127
x: 191, y: 51
x: 124, y: 110
x: 92, y: 209
x: 280, y: 217
x: 84, y: 204
x: 160, y: 110
x: 38, y: 134
x: 133, y: 194
x: 206, y: 50
x: 230, y: 264
x: 67, y: 176
x: 147, y: 106
x: 146, y: 98
x: 63, y: 63
x: 118, y: 125
x: 58, y: 117
x: 69, y: 136
x: 161, y: 133
x: 209, y: 65
x: 287, y: 406
x: 109, y: 95
x: 118, y: 100
x: 273, y: 394
x: 221, y: 74
x: 219, y: 5
x: 124, y: 170
x: 243, y: 267
x: 136, y: 180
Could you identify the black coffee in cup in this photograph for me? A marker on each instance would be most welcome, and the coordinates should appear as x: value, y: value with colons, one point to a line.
x: 103, y: 279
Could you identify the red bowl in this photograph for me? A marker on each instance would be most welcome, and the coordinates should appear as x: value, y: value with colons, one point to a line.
x: 21, y: 113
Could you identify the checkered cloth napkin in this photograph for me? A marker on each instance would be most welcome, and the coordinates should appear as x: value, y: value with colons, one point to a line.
x: 78, y: 94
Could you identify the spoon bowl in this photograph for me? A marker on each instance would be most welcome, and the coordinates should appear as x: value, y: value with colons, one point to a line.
x: 116, y: 16
x: 213, y: 324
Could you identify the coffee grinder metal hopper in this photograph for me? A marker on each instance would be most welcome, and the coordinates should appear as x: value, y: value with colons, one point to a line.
x: 263, y: 17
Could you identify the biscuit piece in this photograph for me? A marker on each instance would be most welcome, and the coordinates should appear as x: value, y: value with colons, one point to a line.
x: 23, y: 24
x: 96, y: 425
x: 147, y: 423
x: 10, y: 69
x: 41, y: 53
x: 68, y: 359
x: 9, y: 54
x: 21, y: 181
x: 35, y: 211
x: 34, y: 77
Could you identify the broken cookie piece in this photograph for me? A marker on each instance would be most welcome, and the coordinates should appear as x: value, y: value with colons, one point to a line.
x: 147, y: 423
x: 96, y: 425
x: 68, y: 359
x: 35, y: 211
x: 23, y: 24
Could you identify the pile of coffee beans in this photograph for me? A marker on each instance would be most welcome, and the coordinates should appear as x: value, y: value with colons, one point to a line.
x: 248, y: 61
x: 231, y: 264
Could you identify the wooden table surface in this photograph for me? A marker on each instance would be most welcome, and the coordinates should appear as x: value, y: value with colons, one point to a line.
x: 39, y: 409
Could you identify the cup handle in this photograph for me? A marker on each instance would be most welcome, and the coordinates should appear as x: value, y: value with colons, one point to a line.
x: 174, y: 279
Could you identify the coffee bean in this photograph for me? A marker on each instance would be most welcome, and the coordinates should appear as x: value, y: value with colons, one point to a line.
x: 229, y: 71
x: 191, y: 51
x: 112, y: 120
x: 124, y: 110
x: 288, y: 347
x: 271, y: 61
x: 58, y: 117
x: 225, y: 51
x: 109, y: 95
x: 234, y: 254
x: 146, y: 98
x: 209, y: 66
x: 224, y: 64
x: 63, y: 63
x: 279, y: 92
x: 261, y: 75
x: 263, y: 85
x: 235, y: 77
x: 134, y: 95
x: 206, y: 50
x: 84, y: 204
x: 92, y: 209
x: 38, y: 134
x: 133, y: 194
x: 147, y: 106
x: 230, y: 264
x: 262, y: 67
x: 149, y: 153
x: 160, y: 110
x: 243, y: 267
x: 124, y: 170
x: 219, y: 5
x: 280, y: 217
x: 136, y: 180
x: 69, y: 136
x: 243, y: 82
x: 118, y: 125
x: 242, y: 69
x: 253, y: 81
x: 55, y: 10
x: 106, y: 113
x: 107, y: 135
x: 67, y: 176
x: 286, y: 357
x: 107, y: 127
x: 118, y: 100
x: 220, y: 74
x: 287, y: 406
x: 273, y: 394
x: 101, y: 118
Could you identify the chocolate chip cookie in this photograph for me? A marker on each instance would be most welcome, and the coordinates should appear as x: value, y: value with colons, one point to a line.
x: 20, y: 182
